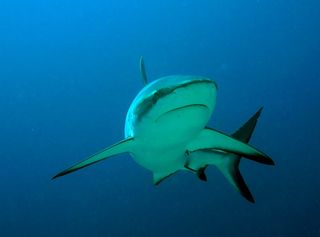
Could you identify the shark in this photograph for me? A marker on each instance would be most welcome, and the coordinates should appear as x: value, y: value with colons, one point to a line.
x: 166, y: 131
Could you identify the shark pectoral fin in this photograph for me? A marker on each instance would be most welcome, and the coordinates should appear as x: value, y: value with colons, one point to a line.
x: 212, y: 139
x: 143, y: 71
x: 118, y: 148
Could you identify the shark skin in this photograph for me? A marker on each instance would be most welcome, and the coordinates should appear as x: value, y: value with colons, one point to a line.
x: 165, y: 131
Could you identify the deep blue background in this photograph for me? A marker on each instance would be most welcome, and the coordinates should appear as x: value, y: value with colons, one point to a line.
x: 68, y: 72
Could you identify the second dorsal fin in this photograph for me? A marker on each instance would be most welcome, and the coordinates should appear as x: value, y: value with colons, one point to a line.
x: 143, y: 71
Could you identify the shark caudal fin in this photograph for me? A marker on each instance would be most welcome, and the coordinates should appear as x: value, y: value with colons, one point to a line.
x: 230, y: 168
x: 143, y: 71
x: 228, y: 163
x: 244, y: 133
x: 118, y: 148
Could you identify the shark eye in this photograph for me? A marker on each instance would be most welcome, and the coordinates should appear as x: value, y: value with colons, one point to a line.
x: 156, y: 96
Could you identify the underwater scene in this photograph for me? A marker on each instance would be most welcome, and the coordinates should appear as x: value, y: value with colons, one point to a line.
x: 159, y: 118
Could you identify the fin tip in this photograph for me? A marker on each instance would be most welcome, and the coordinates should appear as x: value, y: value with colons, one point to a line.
x: 251, y: 200
x: 265, y: 160
x: 258, y: 113
x: 58, y: 175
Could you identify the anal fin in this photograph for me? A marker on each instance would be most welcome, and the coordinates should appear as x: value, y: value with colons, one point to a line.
x: 201, y: 174
x: 199, y: 171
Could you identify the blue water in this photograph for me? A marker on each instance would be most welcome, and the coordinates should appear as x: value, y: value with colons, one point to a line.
x: 69, y: 71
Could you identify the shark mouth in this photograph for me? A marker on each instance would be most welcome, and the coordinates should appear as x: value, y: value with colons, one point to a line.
x: 145, y: 106
x: 184, y: 107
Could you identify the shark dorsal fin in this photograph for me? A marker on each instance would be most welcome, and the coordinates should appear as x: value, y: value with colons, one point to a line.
x: 143, y: 71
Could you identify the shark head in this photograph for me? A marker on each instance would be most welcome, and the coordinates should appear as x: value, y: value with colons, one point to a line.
x: 170, y: 103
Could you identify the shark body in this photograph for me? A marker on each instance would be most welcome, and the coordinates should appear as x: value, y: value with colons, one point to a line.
x: 166, y: 131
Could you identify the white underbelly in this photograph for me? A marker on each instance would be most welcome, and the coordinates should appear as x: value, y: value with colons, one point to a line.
x: 161, y: 141
x: 160, y: 160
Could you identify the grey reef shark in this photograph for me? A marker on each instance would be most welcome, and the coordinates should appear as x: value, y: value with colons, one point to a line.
x: 166, y: 131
